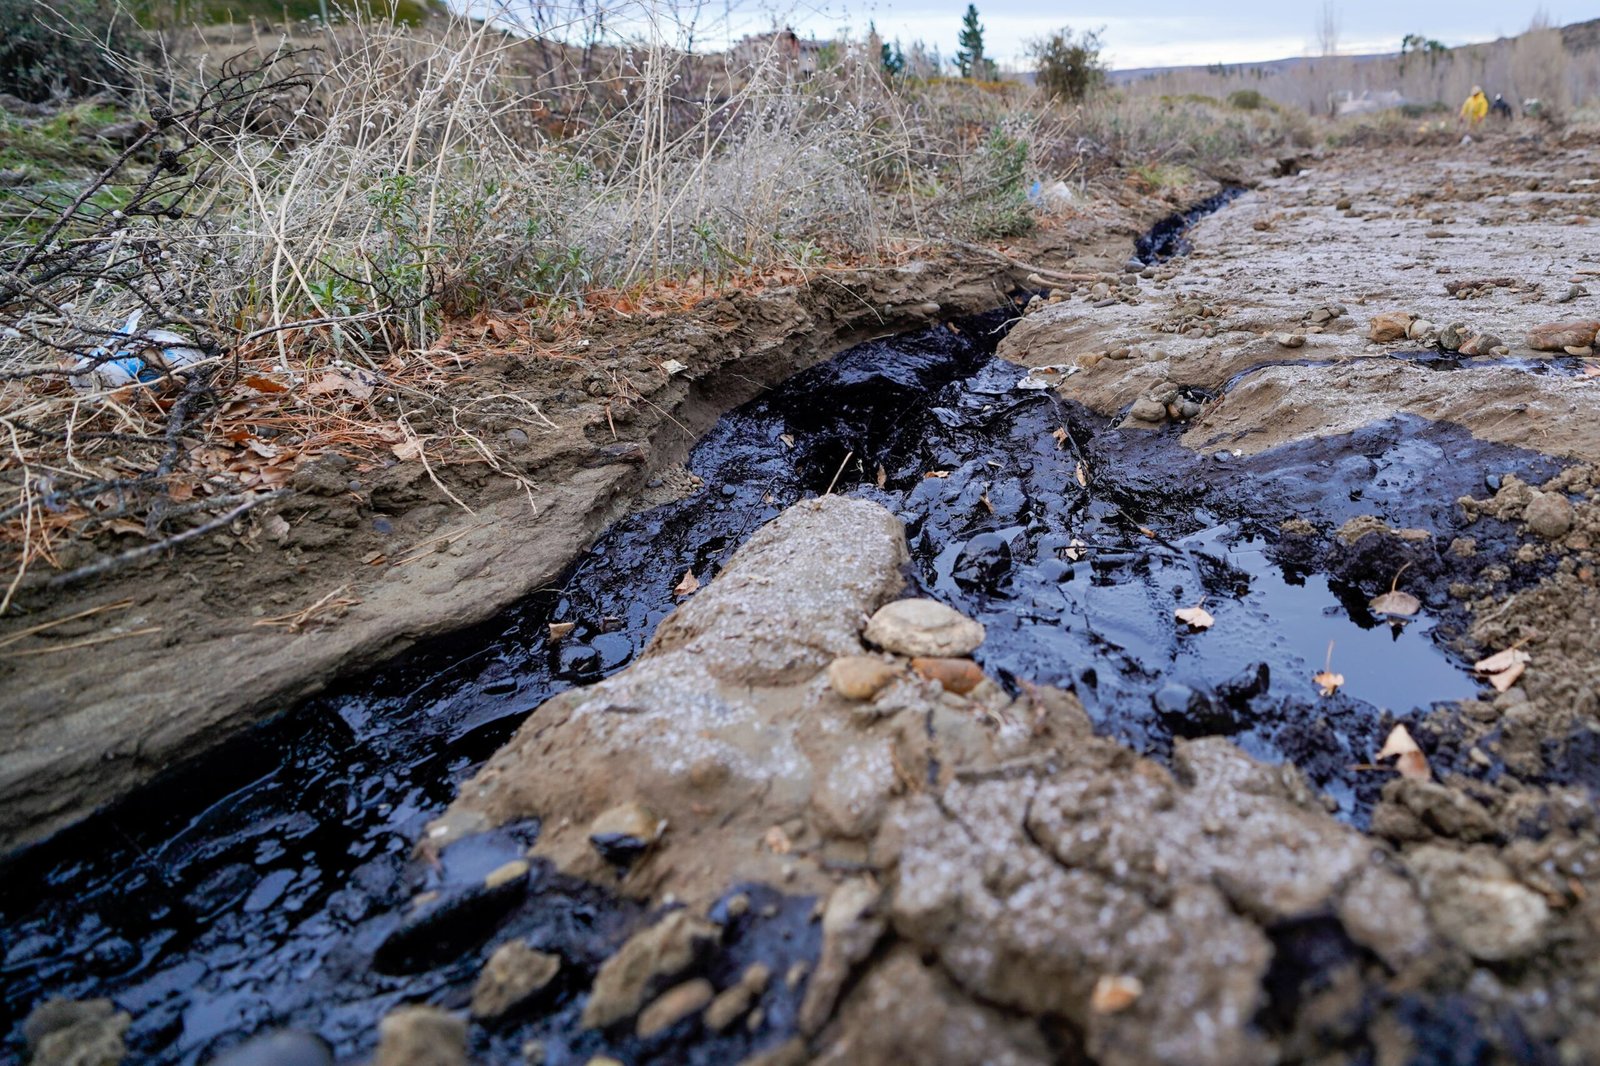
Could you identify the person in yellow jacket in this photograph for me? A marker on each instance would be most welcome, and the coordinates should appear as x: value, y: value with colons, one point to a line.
x: 1475, y: 108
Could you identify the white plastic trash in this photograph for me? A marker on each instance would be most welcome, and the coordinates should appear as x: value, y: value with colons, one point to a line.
x: 140, y: 358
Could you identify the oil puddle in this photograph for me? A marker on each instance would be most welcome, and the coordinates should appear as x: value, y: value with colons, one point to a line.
x: 268, y: 886
x: 1170, y: 236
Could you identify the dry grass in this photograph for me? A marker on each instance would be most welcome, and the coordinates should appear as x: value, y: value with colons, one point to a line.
x: 338, y: 231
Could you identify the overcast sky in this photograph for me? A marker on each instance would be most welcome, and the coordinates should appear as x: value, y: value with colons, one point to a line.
x: 1174, y: 32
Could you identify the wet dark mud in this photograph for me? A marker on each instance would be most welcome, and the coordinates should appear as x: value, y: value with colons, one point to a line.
x: 1170, y: 236
x: 268, y: 888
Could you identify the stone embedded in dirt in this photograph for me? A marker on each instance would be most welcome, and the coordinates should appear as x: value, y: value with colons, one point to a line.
x: 421, y: 1036
x: 1476, y: 903
x: 66, y: 1032
x: 852, y: 924
x: 1480, y: 344
x: 1291, y: 340
x: 1453, y: 336
x: 662, y: 951
x: 673, y: 1006
x: 1583, y: 351
x: 513, y: 976
x: 1148, y: 409
x: 923, y: 627
x: 1549, y: 514
x: 735, y: 1001
x: 1389, y: 327
x: 860, y: 677
x: 960, y: 676
x: 1420, y: 329
x: 1554, y: 336
x: 625, y: 832
x: 288, y: 1047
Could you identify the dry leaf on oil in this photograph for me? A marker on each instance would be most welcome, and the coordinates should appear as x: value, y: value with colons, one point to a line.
x: 687, y: 585
x: 1197, y: 617
x: 1408, y: 757
x: 1503, y: 668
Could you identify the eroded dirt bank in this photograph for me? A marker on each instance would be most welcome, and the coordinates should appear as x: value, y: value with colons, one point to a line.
x: 402, y: 561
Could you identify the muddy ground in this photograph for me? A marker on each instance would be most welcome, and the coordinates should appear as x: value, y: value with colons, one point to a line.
x: 996, y: 878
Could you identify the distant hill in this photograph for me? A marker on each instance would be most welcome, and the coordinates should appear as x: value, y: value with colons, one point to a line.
x: 1576, y: 38
x: 1560, y: 67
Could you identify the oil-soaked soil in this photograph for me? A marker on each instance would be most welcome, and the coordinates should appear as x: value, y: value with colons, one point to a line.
x: 204, y: 908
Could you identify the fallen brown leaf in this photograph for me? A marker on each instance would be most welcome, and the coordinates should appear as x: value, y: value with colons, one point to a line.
x: 1508, y: 677
x: 1329, y: 682
x: 936, y: 473
x: 1397, y: 604
x: 561, y: 630
x: 1083, y: 478
x: 1409, y: 759
x: 1060, y: 436
x: 265, y: 384
x: 1501, y: 661
x: 883, y: 476
x: 687, y: 585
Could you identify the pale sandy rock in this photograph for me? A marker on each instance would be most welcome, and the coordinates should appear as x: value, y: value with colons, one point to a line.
x: 923, y: 627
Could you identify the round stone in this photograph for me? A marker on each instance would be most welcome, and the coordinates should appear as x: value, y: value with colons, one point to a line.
x: 923, y: 627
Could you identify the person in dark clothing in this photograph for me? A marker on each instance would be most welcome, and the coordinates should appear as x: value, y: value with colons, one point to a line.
x: 1500, y: 109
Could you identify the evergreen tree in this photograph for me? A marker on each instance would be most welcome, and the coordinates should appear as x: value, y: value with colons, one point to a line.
x: 969, y: 58
x: 892, y: 58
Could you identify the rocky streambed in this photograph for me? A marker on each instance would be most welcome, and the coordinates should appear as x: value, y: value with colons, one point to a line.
x: 723, y: 796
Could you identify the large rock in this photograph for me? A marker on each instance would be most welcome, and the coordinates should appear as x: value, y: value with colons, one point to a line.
x: 724, y: 725
x: 1555, y: 336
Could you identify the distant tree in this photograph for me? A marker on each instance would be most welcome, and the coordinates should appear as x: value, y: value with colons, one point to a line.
x: 1068, y: 65
x: 1328, y: 25
x: 1415, y: 44
x: 890, y: 58
x: 894, y: 60
x: 969, y: 57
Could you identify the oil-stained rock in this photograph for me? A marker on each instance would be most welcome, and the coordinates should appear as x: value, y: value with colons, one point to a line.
x: 421, y: 1036
x: 513, y: 976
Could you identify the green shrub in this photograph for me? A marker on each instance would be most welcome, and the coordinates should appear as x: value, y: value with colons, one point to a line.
x: 1068, y: 65
x: 54, y: 48
x: 1246, y: 100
